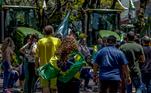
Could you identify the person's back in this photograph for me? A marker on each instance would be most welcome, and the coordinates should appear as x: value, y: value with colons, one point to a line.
x: 133, y: 51
x: 7, y: 49
x: 146, y: 67
x: 112, y: 63
x: 135, y: 55
x: 6, y: 55
x: 56, y: 43
x: 46, y: 48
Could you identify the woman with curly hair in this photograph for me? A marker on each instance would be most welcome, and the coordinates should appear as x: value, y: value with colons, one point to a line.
x: 10, y: 75
x: 68, y: 47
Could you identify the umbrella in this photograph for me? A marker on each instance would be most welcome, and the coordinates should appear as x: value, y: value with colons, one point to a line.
x: 106, y: 33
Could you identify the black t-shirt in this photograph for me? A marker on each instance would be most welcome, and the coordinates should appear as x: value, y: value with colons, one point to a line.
x: 146, y: 67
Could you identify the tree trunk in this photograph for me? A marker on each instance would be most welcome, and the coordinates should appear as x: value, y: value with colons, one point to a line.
x: 113, y: 4
x: 143, y: 4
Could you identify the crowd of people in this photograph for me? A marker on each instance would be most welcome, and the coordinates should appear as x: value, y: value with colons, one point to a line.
x: 115, y: 68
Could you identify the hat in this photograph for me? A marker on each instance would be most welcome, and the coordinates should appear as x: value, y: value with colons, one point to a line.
x: 146, y: 38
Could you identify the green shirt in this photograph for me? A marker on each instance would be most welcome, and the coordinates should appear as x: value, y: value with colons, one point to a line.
x: 132, y: 52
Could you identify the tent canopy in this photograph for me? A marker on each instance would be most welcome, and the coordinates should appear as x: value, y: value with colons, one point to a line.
x: 106, y: 33
x: 106, y: 4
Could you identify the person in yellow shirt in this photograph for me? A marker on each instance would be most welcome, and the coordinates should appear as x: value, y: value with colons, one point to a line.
x: 46, y: 48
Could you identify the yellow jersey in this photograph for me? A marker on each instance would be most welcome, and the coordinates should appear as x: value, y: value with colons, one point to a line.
x: 46, y: 48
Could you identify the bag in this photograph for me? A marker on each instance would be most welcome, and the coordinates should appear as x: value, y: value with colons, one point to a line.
x: 47, y: 72
x: 67, y: 76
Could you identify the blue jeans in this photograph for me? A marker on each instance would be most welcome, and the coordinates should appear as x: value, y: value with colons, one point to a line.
x: 6, y: 67
x: 85, y: 74
x: 137, y: 82
x: 10, y: 78
x: 6, y: 79
x: 146, y: 78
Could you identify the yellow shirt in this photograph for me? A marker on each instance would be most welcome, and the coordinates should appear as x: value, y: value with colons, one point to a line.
x: 46, y: 48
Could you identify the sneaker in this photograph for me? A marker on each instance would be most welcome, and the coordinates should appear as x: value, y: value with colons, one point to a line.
x: 95, y: 89
x: 7, y: 91
x: 88, y: 90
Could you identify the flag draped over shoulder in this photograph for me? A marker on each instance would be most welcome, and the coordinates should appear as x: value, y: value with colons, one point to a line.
x: 63, y: 27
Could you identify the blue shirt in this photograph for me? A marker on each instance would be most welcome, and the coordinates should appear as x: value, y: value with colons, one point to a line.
x: 110, y: 59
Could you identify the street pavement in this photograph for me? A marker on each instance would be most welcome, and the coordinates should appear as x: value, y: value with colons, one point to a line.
x: 93, y: 90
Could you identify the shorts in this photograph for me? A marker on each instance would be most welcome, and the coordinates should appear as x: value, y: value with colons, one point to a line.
x: 46, y: 83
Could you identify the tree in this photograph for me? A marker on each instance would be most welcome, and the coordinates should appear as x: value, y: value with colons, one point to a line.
x: 140, y: 25
x: 143, y: 4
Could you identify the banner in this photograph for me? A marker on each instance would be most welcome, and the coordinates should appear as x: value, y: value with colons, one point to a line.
x: 64, y: 26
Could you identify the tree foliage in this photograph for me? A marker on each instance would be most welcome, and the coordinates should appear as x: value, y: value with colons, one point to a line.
x: 56, y: 9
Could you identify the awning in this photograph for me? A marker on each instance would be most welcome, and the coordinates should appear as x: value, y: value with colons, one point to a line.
x: 106, y: 4
x: 106, y: 33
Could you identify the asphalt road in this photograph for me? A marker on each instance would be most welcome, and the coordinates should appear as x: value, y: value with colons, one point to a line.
x: 38, y: 91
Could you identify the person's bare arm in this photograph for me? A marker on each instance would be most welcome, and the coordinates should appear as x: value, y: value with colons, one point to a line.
x: 95, y: 68
x: 142, y: 59
x: 36, y: 62
x: 36, y: 53
x: 125, y: 70
x: 22, y: 49
x: 142, y: 56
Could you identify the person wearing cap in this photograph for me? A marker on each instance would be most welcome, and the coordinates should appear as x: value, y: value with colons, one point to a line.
x: 46, y: 48
x: 135, y: 55
x: 112, y: 63
x: 146, y: 67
